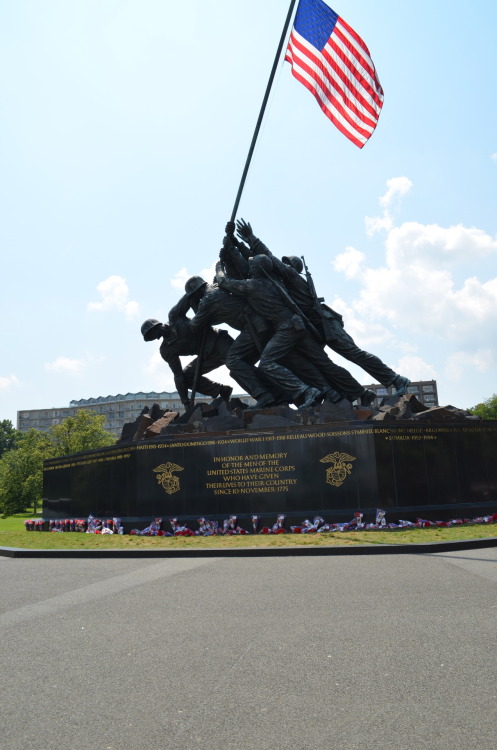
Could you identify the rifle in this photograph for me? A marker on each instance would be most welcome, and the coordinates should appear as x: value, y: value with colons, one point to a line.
x: 318, y: 306
x: 310, y: 283
x: 198, y: 367
x: 294, y: 307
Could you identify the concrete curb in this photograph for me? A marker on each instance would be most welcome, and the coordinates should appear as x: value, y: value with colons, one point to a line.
x: 358, y: 549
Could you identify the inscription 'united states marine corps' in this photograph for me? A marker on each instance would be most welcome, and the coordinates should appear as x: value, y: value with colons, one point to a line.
x: 166, y: 478
x: 340, y: 468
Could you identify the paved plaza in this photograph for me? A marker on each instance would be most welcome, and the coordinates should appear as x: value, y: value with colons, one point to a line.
x: 291, y: 653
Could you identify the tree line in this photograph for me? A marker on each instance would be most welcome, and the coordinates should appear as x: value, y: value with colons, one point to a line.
x: 22, y: 455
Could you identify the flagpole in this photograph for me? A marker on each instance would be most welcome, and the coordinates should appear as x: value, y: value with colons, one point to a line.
x: 263, y: 109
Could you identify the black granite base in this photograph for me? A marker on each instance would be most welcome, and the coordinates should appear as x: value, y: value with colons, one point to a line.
x: 437, y: 471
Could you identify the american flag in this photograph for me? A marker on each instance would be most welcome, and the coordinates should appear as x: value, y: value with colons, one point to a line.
x: 333, y: 62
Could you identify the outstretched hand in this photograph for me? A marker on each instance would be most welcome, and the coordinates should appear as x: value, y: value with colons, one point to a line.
x: 244, y: 230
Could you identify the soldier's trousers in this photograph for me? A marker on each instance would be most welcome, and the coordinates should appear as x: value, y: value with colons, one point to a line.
x: 210, y: 361
x: 342, y: 343
x: 244, y: 354
x: 292, y: 334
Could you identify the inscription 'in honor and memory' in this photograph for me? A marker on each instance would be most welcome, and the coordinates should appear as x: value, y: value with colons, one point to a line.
x: 238, y: 475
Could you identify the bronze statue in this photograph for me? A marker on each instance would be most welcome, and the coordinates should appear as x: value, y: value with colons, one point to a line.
x: 326, y: 320
x: 178, y: 340
x: 288, y: 331
x: 214, y: 306
x: 282, y: 324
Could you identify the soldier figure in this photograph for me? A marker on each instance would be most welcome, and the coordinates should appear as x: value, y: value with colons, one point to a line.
x: 328, y: 322
x: 178, y: 340
x: 213, y: 306
x: 289, y: 331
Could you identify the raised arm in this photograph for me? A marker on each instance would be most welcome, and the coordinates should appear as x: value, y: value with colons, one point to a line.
x: 180, y: 309
x: 174, y: 363
x: 242, y: 247
x: 203, y: 315
x: 256, y: 245
x: 235, y: 286
x: 234, y: 261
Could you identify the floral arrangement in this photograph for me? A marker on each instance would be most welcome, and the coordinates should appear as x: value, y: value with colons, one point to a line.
x: 231, y: 527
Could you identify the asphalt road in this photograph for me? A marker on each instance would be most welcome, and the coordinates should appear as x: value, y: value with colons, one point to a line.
x: 291, y: 653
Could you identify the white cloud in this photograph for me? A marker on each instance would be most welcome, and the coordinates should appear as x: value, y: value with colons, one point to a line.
x: 494, y: 157
x: 349, y: 263
x: 157, y: 374
x: 66, y: 365
x: 421, y: 299
x: 459, y: 364
x: 115, y: 296
x: 435, y: 246
x: 178, y: 281
x: 182, y: 276
x: 8, y: 381
x: 417, y: 368
x: 154, y: 364
x: 415, y: 290
x: 365, y: 332
x: 397, y: 187
x: 376, y: 224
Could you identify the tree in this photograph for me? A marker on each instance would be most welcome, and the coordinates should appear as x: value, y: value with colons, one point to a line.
x: 8, y: 436
x: 21, y: 472
x: 486, y: 410
x: 82, y: 432
x: 21, y: 467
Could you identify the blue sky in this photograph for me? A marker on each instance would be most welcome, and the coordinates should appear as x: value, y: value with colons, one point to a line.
x: 124, y: 128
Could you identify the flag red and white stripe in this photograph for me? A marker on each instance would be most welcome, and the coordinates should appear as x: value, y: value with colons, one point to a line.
x: 334, y: 63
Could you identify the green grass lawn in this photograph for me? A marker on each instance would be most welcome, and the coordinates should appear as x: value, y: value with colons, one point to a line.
x: 13, y: 534
x: 16, y: 523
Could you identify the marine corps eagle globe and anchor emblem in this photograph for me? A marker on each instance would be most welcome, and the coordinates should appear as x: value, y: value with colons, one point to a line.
x: 166, y: 478
x: 340, y: 468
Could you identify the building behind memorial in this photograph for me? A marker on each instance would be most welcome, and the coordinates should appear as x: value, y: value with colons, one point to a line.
x: 117, y: 410
x: 123, y: 408
x: 424, y: 390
